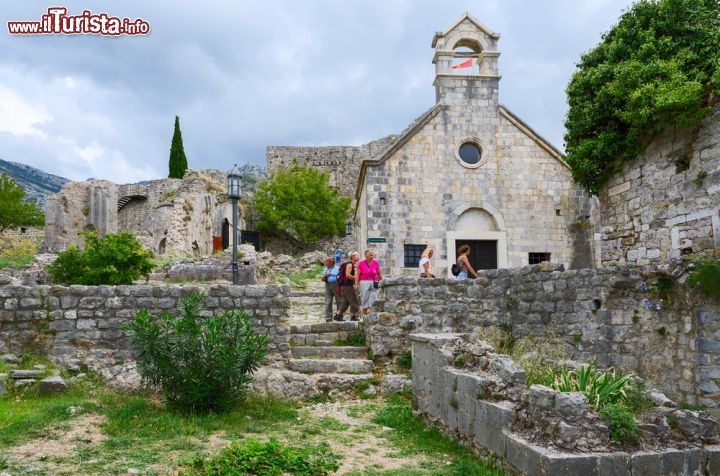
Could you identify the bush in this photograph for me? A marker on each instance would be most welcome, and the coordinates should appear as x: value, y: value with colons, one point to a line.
x: 657, y: 67
x: 623, y: 426
x: 404, y: 361
x: 15, y: 209
x: 200, y: 363
x: 601, y: 388
x: 298, y: 203
x: 706, y: 277
x: 117, y: 258
x: 270, y: 459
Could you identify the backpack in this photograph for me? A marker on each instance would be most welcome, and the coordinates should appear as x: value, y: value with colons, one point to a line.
x: 342, y: 275
x: 455, y: 269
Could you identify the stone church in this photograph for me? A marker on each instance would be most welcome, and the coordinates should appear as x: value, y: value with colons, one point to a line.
x: 468, y: 171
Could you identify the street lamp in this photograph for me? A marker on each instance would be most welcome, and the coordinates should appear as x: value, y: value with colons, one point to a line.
x: 234, y: 179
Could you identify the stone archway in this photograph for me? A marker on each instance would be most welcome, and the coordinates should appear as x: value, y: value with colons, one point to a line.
x: 477, y: 224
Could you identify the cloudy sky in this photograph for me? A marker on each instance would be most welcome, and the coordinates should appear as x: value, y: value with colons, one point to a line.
x: 245, y: 74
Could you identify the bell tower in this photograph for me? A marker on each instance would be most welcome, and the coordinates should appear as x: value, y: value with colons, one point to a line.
x: 466, y: 63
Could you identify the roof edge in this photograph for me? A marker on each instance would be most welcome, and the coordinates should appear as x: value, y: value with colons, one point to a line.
x: 527, y: 130
x: 403, y: 139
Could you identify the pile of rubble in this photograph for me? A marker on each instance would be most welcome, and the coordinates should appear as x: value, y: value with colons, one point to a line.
x: 22, y: 378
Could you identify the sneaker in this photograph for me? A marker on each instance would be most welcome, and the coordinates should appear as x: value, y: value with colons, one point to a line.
x: 354, y: 318
x: 338, y: 318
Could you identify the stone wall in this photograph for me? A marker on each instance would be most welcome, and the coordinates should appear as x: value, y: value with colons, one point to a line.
x: 341, y: 162
x: 85, y: 322
x: 490, y: 409
x: 602, y: 314
x: 170, y: 216
x: 659, y: 206
x: 10, y: 235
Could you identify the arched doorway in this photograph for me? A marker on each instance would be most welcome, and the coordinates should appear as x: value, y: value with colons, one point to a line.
x: 484, y: 233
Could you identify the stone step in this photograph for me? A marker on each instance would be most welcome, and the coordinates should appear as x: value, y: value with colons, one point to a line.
x: 330, y: 352
x: 25, y: 374
x: 301, y: 294
x: 327, y: 366
x: 317, y: 340
x: 326, y: 327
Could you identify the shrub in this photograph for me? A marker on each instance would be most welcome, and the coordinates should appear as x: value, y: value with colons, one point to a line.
x: 404, y: 361
x: 601, y: 388
x: 270, y: 459
x: 15, y: 209
x: 353, y: 339
x: 657, y: 67
x: 706, y: 277
x: 200, y: 363
x: 623, y: 426
x: 117, y: 258
x: 298, y: 203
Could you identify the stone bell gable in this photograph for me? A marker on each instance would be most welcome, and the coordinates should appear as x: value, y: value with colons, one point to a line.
x: 469, y: 171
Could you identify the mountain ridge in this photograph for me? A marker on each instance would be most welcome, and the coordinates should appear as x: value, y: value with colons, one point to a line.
x: 38, y: 184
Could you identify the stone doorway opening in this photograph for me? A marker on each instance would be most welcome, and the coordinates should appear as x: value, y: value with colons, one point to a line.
x: 483, y: 253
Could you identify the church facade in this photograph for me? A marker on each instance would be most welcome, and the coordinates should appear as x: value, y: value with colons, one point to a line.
x: 469, y: 171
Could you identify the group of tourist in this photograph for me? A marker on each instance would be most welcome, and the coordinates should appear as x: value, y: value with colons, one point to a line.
x: 344, y: 281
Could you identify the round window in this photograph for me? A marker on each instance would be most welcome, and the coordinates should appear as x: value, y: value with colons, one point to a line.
x: 470, y: 153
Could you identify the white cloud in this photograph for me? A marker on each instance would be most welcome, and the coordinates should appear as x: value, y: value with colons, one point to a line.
x: 19, y: 117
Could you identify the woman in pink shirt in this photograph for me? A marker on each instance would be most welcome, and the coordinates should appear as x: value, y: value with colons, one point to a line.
x: 367, y: 280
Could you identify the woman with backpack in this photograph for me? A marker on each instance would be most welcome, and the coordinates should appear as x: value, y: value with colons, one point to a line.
x: 462, y: 264
x: 367, y: 279
x: 346, y: 285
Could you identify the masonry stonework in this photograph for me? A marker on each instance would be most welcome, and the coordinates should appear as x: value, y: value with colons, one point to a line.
x: 666, y: 202
x: 602, y: 315
x: 170, y: 216
x: 342, y: 163
x: 86, y: 322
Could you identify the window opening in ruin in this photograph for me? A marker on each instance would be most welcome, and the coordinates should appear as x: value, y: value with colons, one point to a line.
x: 382, y: 201
x: 537, y: 258
x: 412, y: 255
x: 470, y: 153
x: 557, y: 212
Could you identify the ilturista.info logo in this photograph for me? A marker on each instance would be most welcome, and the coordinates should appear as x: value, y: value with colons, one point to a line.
x: 57, y: 22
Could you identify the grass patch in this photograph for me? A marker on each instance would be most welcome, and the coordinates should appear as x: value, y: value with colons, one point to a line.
x: 16, y: 261
x: 413, y: 436
x: 403, y: 362
x: 299, y: 281
x: 270, y: 458
x: 353, y: 339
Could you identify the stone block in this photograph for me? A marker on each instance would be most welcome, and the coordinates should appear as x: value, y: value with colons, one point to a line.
x: 566, y: 464
x: 53, y: 385
x: 614, y: 464
x: 713, y: 459
x: 3, y: 383
x: 571, y: 403
x: 646, y: 464
x: 542, y: 397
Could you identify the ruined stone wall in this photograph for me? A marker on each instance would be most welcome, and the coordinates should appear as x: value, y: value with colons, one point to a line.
x: 341, y: 162
x: 85, y: 322
x: 602, y: 314
x: 490, y: 409
x: 170, y: 216
x: 660, y: 206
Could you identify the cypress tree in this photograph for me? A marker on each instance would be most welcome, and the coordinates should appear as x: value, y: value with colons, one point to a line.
x: 178, y: 162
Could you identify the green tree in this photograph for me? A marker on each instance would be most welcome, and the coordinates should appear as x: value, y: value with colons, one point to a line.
x: 178, y: 162
x: 657, y: 67
x: 14, y: 209
x: 298, y: 203
x: 117, y: 258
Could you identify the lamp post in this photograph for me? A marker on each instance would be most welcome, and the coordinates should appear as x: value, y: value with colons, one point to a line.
x: 234, y: 178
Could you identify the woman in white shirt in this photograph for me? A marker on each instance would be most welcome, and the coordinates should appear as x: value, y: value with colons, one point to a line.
x: 425, y: 265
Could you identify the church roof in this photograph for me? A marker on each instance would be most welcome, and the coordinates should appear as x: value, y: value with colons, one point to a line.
x: 421, y: 121
x: 473, y: 20
x: 401, y: 140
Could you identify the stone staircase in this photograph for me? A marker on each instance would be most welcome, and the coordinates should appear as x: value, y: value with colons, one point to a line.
x: 313, y: 350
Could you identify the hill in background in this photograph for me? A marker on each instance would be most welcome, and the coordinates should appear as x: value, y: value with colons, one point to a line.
x: 37, y: 184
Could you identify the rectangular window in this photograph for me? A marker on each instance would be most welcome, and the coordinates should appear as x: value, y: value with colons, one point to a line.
x: 537, y: 258
x: 412, y: 255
